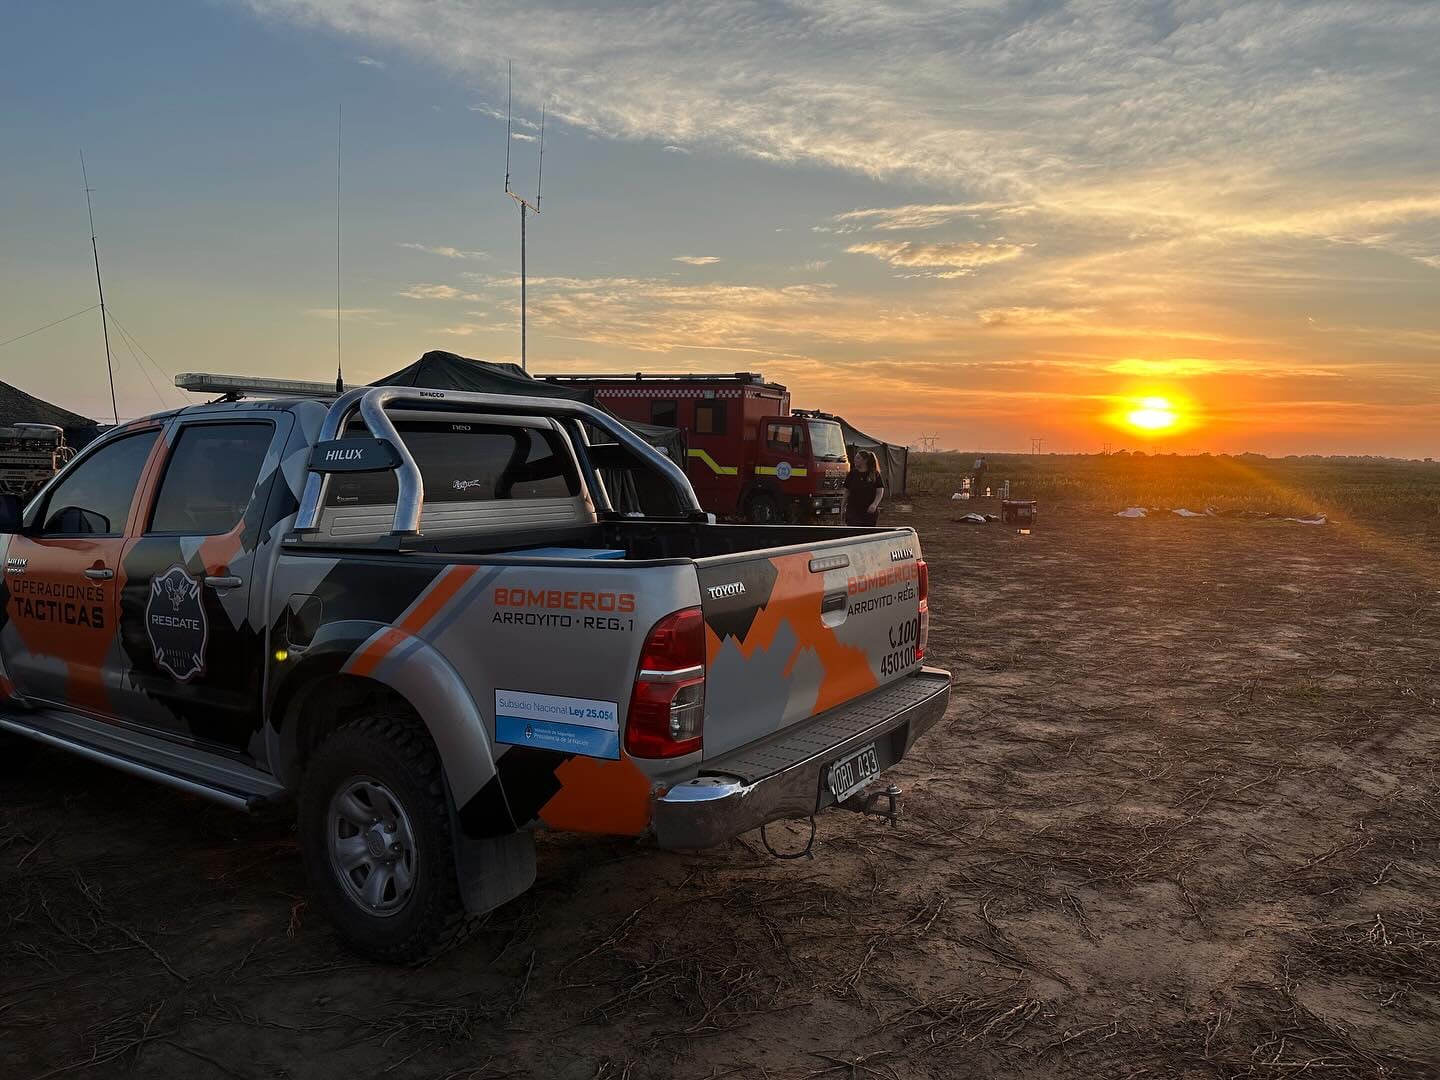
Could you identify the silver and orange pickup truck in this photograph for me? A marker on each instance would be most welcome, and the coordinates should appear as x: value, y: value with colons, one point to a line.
x: 418, y: 613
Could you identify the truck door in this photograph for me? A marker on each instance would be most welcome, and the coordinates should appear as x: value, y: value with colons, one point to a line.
x: 191, y: 609
x: 62, y: 578
x: 715, y: 453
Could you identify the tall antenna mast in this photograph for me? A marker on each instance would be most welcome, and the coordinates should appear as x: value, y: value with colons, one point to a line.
x: 339, y: 129
x: 525, y: 207
x: 100, y: 288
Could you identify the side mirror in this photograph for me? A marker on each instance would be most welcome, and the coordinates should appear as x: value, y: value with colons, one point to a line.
x: 12, y: 513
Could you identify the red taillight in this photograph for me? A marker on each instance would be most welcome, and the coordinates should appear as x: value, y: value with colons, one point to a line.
x: 922, y: 586
x: 667, y: 703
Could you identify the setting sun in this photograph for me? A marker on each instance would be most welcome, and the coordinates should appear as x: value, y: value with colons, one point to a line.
x: 1153, y: 414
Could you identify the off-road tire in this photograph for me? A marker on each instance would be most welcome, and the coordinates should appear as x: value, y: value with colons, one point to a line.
x: 762, y: 508
x: 390, y: 744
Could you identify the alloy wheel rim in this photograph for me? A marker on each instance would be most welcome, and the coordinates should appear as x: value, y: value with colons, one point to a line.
x: 372, y: 846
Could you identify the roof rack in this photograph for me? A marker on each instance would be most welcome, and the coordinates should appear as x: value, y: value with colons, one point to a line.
x: 749, y: 377
x: 238, y: 386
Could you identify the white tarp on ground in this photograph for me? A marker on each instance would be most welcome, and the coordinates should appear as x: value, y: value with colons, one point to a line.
x: 1245, y: 515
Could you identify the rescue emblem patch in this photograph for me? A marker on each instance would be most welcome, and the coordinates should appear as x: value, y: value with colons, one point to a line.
x: 175, y: 622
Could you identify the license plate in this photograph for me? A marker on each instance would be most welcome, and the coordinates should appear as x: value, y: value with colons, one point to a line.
x: 850, y: 774
x: 834, y: 509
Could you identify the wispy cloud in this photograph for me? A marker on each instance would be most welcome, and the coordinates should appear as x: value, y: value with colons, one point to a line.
x: 445, y: 251
x: 484, y: 108
x: 941, y: 259
x: 370, y: 61
x: 697, y: 260
x: 520, y: 136
x: 918, y: 215
x: 671, y: 148
x: 430, y: 292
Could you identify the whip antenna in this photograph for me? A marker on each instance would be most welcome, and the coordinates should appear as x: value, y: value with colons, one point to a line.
x: 100, y: 288
x: 339, y: 130
x: 540, y: 167
x: 525, y: 207
x: 509, y: 101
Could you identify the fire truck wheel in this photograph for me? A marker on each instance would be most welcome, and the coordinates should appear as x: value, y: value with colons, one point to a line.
x: 375, y: 837
x: 763, y: 509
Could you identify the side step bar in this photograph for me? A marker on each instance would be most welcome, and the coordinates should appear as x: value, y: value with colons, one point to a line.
x: 208, y: 775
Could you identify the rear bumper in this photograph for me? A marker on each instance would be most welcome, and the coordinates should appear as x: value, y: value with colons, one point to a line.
x: 781, y: 777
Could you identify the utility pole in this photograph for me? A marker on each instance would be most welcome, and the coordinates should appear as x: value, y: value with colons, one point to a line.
x: 1036, y: 442
x: 100, y: 288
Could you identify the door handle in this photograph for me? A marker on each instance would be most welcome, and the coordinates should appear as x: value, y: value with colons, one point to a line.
x: 223, y: 581
x: 99, y: 573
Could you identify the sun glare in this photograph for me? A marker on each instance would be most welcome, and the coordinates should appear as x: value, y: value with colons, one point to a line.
x: 1153, y: 414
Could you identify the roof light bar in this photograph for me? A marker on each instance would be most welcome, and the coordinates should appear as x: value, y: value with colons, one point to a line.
x: 200, y: 382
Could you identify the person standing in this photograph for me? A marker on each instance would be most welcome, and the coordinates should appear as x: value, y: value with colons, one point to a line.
x: 865, y: 488
x: 978, y: 483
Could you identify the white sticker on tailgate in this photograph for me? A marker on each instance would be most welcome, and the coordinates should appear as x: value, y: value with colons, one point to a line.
x: 565, y: 724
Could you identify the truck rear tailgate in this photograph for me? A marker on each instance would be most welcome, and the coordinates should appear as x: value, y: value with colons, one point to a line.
x: 793, y: 634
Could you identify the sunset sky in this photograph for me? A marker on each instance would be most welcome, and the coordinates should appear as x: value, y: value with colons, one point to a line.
x: 984, y: 220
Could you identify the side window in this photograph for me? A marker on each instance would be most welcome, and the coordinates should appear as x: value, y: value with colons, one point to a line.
x: 664, y: 414
x: 94, y: 499
x: 210, y: 477
x: 784, y: 438
x: 710, y: 417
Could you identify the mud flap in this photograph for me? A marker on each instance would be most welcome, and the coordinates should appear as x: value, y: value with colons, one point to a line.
x: 494, y: 870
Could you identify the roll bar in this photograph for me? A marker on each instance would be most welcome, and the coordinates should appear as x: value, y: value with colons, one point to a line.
x: 372, y: 401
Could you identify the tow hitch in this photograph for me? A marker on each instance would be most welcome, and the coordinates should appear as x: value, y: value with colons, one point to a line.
x: 865, y: 804
x: 860, y: 804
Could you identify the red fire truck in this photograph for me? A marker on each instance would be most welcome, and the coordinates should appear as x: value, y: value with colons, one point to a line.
x: 748, y: 456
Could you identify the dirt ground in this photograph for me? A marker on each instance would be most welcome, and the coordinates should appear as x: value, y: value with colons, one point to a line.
x: 1182, y: 820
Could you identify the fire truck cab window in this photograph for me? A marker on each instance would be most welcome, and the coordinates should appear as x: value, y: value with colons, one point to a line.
x: 664, y: 413
x: 210, y: 478
x: 94, y: 499
x: 467, y: 463
x: 784, y: 438
x: 710, y: 417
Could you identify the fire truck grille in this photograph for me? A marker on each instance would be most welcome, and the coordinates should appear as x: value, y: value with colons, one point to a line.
x: 833, y: 483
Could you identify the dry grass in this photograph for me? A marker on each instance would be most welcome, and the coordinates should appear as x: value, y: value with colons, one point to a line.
x: 1372, y: 489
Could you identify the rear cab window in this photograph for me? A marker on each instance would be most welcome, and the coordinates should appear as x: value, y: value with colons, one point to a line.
x: 210, y: 478
x: 467, y: 462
